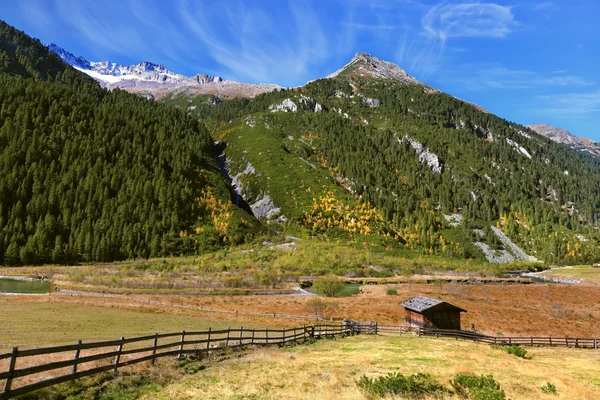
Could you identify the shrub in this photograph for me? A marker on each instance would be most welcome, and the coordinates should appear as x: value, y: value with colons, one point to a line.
x: 410, y: 386
x: 320, y: 307
x: 477, y: 387
x: 329, y: 285
x: 549, y: 388
x: 391, y: 291
x: 514, y: 350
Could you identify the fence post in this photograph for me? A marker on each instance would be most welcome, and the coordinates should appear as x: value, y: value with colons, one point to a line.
x: 75, y: 358
x: 550, y: 337
x: 180, y: 355
x: 253, y: 331
x: 376, y: 327
x: 531, y: 340
x: 118, y: 356
x: 595, y: 343
x: 227, y: 337
x: 11, y: 369
x: 567, y: 342
x: 312, y: 331
x: 576, y: 342
x: 267, y: 336
x: 208, y: 341
x: 154, y: 347
x: 509, y: 340
x: 241, y: 334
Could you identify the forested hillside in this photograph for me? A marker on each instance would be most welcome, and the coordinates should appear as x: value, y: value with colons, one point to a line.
x: 435, y: 171
x: 88, y: 174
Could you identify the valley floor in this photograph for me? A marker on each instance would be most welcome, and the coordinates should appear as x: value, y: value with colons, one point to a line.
x: 328, y: 369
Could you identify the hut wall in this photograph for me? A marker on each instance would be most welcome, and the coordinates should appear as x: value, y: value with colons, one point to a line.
x: 442, y: 318
x: 413, y: 319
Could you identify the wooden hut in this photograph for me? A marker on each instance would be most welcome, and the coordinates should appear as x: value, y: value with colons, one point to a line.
x: 424, y: 312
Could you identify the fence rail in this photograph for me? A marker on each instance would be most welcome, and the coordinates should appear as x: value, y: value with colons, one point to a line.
x: 514, y: 340
x: 85, y: 359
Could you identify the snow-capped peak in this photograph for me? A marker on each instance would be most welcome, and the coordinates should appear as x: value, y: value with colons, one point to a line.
x: 144, y: 74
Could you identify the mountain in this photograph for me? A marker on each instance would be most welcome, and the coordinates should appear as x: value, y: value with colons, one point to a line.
x: 147, y: 78
x: 369, y: 154
x: 563, y: 136
x: 88, y: 174
x: 363, y: 64
x: 369, y: 157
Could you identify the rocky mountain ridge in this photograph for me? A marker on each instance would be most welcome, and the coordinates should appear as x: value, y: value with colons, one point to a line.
x: 363, y: 64
x: 155, y: 80
x: 563, y: 136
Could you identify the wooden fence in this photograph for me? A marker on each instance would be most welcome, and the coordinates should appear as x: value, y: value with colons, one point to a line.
x: 591, y: 343
x: 514, y: 340
x: 85, y: 359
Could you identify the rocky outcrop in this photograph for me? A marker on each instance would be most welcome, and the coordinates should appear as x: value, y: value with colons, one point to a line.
x: 425, y: 156
x: 286, y: 106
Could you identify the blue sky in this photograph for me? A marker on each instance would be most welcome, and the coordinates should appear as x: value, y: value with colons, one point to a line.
x: 528, y: 61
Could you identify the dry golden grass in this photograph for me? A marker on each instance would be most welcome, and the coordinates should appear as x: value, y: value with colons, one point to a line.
x: 328, y: 369
x: 540, y: 309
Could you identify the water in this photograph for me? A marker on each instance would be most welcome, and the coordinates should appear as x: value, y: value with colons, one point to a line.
x: 347, y: 291
x: 8, y: 285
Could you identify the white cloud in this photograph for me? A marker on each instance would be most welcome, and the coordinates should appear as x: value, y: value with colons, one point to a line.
x: 570, y: 105
x: 543, y: 6
x: 254, y: 45
x: 477, y: 77
x: 468, y: 20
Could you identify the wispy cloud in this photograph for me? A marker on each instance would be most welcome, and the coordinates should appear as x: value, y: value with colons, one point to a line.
x: 468, y: 20
x: 570, y: 105
x: 543, y: 6
x: 478, y: 77
x: 235, y: 36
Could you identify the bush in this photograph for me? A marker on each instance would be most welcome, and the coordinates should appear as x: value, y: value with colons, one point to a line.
x: 477, y: 387
x: 514, y: 350
x: 329, y: 285
x: 549, y: 388
x: 320, y: 307
x: 410, y: 386
x: 391, y: 291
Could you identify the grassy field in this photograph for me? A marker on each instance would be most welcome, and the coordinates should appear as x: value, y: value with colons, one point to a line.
x: 587, y: 273
x: 328, y: 369
x: 40, y: 321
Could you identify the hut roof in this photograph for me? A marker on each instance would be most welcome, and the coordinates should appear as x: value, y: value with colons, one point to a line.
x: 422, y: 303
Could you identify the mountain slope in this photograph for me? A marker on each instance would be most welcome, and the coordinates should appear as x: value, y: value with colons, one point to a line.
x: 563, y: 136
x: 88, y: 174
x: 415, y: 157
x: 156, y: 80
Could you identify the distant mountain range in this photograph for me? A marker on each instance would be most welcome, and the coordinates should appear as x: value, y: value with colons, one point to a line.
x: 563, y: 136
x: 157, y: 81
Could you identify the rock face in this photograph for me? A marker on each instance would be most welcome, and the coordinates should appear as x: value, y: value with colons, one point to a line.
x: 149, y: 79
x: 286, y: 106
x: 565, y: 137
x: 364, y: 64
x: 425, y: 156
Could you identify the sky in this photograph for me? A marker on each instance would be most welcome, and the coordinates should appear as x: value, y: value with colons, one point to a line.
x: 529, y: 61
